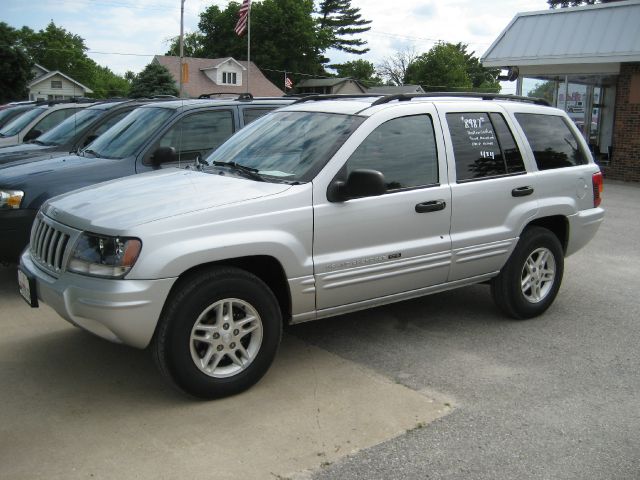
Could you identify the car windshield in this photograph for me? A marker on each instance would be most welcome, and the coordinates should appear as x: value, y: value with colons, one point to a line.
x: 289, y: 146
x: 76, y: 124
x: 129, y: 134
x: 16, y: 126
x: 8, y: 114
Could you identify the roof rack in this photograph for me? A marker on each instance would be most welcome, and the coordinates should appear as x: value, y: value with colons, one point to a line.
x: 241, y: 96
x: 484, y: 96
x: 336, y: 96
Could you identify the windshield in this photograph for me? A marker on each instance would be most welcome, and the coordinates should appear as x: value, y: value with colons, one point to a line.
x: 16, y: 126
x: 8, y: 113
x: 72, y: 126
x: 131, y: 133
x: 290, y: 146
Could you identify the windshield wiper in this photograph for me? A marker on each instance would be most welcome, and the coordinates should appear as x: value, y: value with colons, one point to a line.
x: 40, y: 142
x: 250, y: 172
x: 91, y: 152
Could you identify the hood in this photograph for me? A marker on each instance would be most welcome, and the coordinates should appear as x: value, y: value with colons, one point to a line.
x: 123, y: 203
x: 29, y: 152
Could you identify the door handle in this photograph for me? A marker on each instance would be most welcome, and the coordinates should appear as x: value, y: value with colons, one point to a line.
x: 521, y: 191
x: 432, y: 206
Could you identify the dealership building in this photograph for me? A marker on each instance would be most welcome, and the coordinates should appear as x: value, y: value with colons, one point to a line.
x: 586, y: 61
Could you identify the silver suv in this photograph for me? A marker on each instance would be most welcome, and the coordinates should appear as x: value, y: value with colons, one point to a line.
x: 324, y: 207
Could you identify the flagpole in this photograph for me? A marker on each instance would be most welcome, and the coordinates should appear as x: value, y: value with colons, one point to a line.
x: 248, y: 46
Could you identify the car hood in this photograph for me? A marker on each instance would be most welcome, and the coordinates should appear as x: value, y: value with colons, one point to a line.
x: 28, y: 152
x: 120, y: 204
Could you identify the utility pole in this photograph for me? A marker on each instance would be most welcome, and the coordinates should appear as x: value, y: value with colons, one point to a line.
x: 181, y: 46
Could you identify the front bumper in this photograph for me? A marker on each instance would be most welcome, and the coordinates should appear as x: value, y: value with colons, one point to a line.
x: 122, y: 311
x: 15, y: 229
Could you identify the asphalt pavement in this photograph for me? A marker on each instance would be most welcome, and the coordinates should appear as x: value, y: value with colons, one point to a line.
x: 442, y: 387
x: 555, y: 397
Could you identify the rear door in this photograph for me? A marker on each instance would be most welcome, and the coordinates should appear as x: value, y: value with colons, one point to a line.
x: 372, y: 247
x: 492, y: 193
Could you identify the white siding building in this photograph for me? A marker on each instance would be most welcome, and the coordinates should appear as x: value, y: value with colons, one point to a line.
x: 56, y: 86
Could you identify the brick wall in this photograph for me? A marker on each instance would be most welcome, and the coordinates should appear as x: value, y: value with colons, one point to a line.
x: 625, y: 159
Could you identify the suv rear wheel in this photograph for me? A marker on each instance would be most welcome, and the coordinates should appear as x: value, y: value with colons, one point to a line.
x: 218, y: 333
x: 530, y: 280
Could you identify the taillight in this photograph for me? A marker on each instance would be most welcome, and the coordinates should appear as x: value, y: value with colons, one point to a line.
x: 598, y: 186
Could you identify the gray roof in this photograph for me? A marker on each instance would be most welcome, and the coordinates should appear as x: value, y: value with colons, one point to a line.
x: 602, y: 33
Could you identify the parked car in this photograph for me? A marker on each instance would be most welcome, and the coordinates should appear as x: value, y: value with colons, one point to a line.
x: 166, y: 133
x: 37, y: 121
x: 319, y: 209
x: 73, y: 134
x: 11, y: 112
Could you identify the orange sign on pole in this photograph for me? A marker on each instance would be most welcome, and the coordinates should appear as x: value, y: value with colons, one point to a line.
x: 185, y: 73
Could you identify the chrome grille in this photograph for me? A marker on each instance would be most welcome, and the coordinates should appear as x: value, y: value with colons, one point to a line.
x: 48, y: 244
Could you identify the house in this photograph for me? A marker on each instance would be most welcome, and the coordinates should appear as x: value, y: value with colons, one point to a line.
x: 219, y: 75
x: 395, y: 89
x: 588, y: 60
x: 332, y: 86
x: 54, y: 85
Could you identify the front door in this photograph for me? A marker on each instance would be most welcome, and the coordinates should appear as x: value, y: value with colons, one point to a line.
x: 367, y: 248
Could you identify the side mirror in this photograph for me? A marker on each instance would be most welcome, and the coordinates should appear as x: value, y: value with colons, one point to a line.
x: 360, y: 183
x: 32, y: 135
x: 163, y: 155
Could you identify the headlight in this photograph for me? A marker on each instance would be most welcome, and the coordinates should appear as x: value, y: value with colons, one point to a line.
x: 103, y: 256
x: 11, y: 198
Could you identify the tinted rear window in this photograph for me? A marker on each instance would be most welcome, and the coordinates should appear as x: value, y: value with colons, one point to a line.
x: 553, y: 143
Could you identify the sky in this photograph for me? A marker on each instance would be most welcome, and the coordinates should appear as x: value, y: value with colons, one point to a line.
x: 125, y: 34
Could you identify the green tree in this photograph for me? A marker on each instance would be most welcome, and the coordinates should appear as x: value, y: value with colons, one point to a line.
x: 444, y: 67
x: 361, y: 70
x: 193, y: 45
x: 449, y: 67
x: 57, y: 49
x: 543, y: 90
x: 15, y: 65
x: 155, y: 79
x: 339, y: 20
x: 107, y: 84
x: 283, y: 36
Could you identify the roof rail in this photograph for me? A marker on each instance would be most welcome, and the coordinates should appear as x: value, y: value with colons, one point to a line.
x: 336, y: 96
x: 484, y: 96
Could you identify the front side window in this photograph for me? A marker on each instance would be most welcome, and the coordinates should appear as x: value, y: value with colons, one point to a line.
x: 127, y: 136
x: 403, y: 150
x: 15, y: 126
x: 483, y: 146
x: 54, y: 118
x: 553, y: 143
x: 74, y: 125
x: 251, y: 114
x: 199, y: 133
x: 292, y: 146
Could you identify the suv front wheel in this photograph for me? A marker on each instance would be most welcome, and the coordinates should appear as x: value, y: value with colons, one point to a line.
x: 218, y: 333
x: 530, y: 280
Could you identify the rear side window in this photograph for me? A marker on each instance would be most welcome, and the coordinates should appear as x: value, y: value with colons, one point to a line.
x: 483, y: 146
x: 403, y: 149
x: 251, y: 114
x: 553, y: 143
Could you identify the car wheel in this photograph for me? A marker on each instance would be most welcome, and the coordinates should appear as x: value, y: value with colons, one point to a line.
x: 218, y: 333
x: 530, y: 280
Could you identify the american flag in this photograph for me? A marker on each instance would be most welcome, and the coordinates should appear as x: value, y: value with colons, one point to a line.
x: 243, y: 18
x: 288, y: 83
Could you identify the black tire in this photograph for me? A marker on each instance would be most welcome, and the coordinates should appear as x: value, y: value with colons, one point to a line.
x: 521, y: 294
x: 205, y: 299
